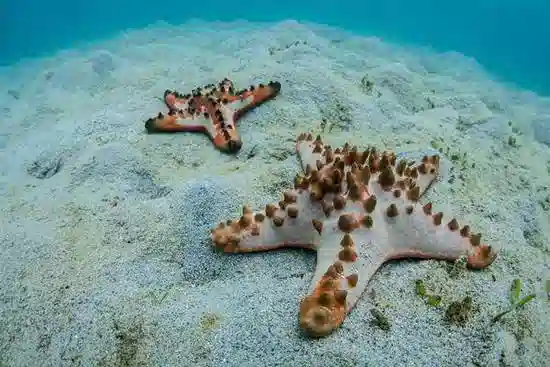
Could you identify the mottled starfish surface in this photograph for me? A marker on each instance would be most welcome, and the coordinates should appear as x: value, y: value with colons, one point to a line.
x: 357, y: 210
x: 212, y: 110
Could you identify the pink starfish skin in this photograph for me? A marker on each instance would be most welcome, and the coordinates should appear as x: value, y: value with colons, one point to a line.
x: 357, y: 210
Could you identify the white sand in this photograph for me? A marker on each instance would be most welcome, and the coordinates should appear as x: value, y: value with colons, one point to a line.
x: 105, y: 258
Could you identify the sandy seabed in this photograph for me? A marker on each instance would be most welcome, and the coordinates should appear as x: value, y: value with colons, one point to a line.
x: 105, y: 256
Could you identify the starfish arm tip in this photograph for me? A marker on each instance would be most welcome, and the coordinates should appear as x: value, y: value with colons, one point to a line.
x: 482, y: 256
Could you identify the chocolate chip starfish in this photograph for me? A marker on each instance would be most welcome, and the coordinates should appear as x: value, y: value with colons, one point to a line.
x: 357, y: 210
x: 213, y: 110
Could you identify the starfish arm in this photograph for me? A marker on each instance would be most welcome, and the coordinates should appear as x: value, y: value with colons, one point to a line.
x: 343, y: 271
x: 172, y: 122
x: 412, y: 230
x: 293, y: 222
x: 251, y: 98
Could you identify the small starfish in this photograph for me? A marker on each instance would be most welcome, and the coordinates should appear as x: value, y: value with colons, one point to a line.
x: 213, y: 110
x: 358, y: 210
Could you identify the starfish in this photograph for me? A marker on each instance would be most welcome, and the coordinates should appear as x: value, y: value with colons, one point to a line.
x: 212, y: 110
x: 358, y: 210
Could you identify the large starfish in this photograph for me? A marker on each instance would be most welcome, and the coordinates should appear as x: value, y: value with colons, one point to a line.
x: 212, y: 110
x: 357, y: 210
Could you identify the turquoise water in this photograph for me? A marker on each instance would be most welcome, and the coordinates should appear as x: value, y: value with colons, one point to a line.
x: 509, y: 38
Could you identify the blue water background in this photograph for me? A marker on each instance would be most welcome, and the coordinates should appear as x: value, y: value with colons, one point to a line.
x: 511, y: 39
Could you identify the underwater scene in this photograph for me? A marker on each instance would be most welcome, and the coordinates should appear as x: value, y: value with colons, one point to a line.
x: 281, y: 185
